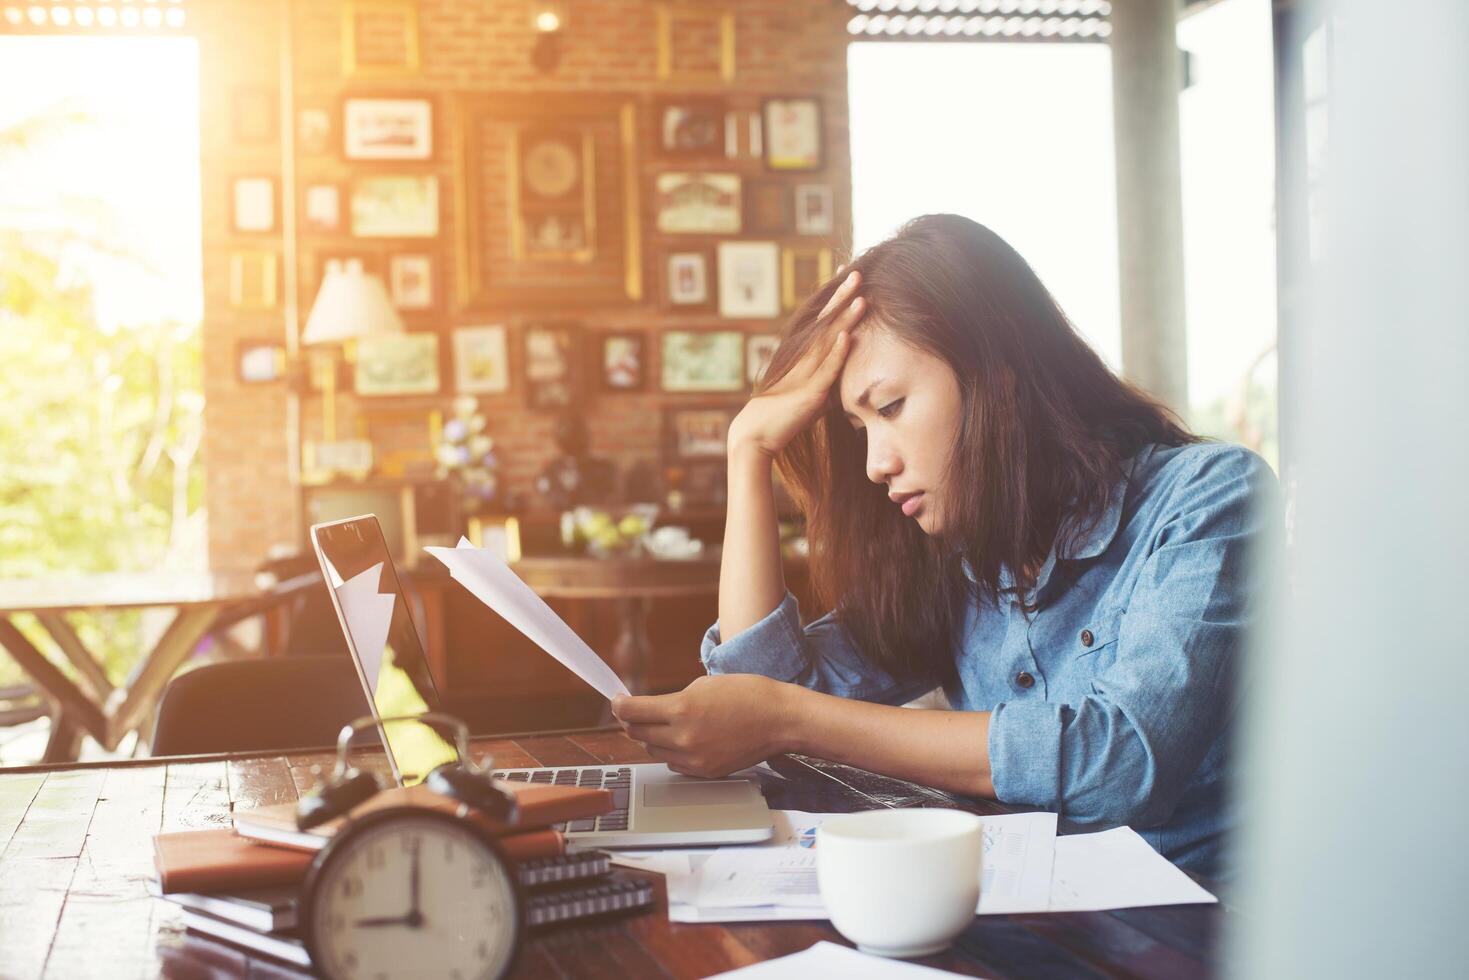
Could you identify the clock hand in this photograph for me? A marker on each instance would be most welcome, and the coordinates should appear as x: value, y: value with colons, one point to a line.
x: 384, y: 920
x: 415, y: 917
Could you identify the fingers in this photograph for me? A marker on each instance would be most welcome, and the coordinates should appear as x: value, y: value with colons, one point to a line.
x: 831, y: 368
x: 654, y: 708
x: 844, y: 292
x: 651, y: 735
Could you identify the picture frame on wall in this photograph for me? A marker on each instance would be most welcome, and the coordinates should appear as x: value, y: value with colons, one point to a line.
x: 411, y: 283
x: 815, y: 212
x: 802, y: 272
x: 395, y: 206
x: 260, y: 361
x: 253, y: 200
x: 691, y: 128
x: 793, y: 133
x: 702, y: 360
x: 759, y: 349
x: 379, y: 38
x: 697, y: 203
x: 322, y: 207
x: 697, y: 432
x: 550, y: 366
x: 624, y: 361
x: 749, y: 279
x: 387, y: 129
x: 313, y: 131
x: 768, y: 208
x: 688, y: 279
x: 481, y: 360
x: 253, y: 279
x: 397, y: 364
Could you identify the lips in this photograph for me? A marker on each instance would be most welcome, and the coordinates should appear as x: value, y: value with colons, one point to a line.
x: 909, y: 502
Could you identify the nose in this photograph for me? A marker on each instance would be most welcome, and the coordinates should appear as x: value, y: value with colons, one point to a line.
x: 883, y: 461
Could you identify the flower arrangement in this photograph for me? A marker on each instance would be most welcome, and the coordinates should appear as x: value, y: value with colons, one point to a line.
x: 467, y: 454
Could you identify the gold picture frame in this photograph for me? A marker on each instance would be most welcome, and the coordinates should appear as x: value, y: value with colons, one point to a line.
x: 253, y: 279
x: 802, y: 271
x: 667, y: 18
x: 354, y: 11
x: 523, y: 245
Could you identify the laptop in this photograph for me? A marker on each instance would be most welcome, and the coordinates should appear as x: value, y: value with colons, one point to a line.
x: 653, y: 806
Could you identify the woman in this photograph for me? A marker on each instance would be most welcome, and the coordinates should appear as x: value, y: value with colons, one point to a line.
x: 989, y: 510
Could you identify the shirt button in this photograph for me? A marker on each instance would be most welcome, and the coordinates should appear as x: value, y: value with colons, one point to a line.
x: 1087, y: 639
x: 1024, y: 679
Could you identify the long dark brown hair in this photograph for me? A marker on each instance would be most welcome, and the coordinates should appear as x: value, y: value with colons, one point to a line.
x: 1045, y: 428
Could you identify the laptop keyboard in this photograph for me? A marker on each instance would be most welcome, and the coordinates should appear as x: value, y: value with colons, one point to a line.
x: 618, y: 781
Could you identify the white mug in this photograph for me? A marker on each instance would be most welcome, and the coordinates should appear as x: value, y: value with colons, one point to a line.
x: 900, y: 882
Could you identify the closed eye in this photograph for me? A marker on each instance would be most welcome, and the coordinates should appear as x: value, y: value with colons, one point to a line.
x: 891, y: 409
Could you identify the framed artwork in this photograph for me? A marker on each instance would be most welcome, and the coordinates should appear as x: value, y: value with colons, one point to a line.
x: 802, y: 271
x: 696, y: 432
x: 552, y: 201
x: 395, y: 206
x: 743, y: 135
x: 624, y: 361
x: 253, y: 280
x: 793, y: 134
x: 814, y: 211
x: 768, y: 208
x: 481, y: 360
x: 688, y: 279
x: 706, y: 360
x: 553, y: 178
x: 749, y: 279
x: 323, y: 207
x: 691, y: 128
x: 759, y: 349
x: 260, y: 361
x: 397, y: 364
x: 698, y: 203
x: 550, y: 366
x: 411, y: 281
x: 253, y: 115
x: 695, y: 43
x: 313, y: 131
x: 387, y: 129
x: 254, y: 204
x: 379, y: 37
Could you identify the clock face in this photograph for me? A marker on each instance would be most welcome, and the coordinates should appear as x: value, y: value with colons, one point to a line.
x: 412, y: 895
x: 551, y: 168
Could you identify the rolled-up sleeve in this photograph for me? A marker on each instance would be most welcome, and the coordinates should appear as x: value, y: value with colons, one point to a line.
x: 1126, y: 753
x: 820, y: 656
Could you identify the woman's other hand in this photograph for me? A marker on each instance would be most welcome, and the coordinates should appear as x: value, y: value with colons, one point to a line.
x: 717, y: 725
x: 775, y: 416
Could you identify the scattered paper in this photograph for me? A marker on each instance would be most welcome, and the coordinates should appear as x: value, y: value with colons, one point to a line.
x: 1117, y: 869
x: 832, y: 960
x: 1015, y: 873
x: 369, y: 616
x: 492, y: 582
x: 783, y: 876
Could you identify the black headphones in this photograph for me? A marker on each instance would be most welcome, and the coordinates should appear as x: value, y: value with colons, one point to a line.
x: 464, y: 780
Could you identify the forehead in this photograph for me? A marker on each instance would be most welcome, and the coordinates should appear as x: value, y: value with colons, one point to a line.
x: 878, y: 355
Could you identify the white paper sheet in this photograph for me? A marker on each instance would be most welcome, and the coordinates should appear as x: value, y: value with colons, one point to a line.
x: 1116, y: 869
x: 492, y: 582
x: 832, y: 960
x: 369, y: 615
x: 777, y: 880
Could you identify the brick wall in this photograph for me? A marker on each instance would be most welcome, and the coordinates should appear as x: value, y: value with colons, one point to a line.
x: 469, y: 49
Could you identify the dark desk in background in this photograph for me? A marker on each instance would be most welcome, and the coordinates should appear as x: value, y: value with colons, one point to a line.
x: 76, y: 846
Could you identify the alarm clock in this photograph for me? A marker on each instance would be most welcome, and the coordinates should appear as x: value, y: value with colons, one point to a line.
x: 412, y: 892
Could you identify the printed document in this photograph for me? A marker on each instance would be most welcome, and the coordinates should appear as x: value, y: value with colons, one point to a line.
x: 1117, y: 869
x: 492, y: 582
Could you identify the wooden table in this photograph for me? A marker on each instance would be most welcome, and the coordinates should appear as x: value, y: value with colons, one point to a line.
x: 76, y: 846
x: 90, y: 703
x: 633, y: 583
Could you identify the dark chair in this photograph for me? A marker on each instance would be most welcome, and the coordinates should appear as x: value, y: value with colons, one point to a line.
x: 258, y: 705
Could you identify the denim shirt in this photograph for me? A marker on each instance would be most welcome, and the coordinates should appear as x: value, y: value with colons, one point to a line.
x: 1111, y: 702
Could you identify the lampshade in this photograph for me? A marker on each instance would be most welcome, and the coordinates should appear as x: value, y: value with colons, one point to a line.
x: 349, y: 305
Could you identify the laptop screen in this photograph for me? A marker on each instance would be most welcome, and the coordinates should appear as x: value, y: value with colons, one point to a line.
x: 380, y: 634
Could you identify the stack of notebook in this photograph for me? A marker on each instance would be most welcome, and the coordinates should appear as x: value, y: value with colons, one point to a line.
x: 558, y: 889
x: 242, y: 884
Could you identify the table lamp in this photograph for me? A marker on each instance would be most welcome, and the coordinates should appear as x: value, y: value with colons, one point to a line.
x: 350, y: 305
